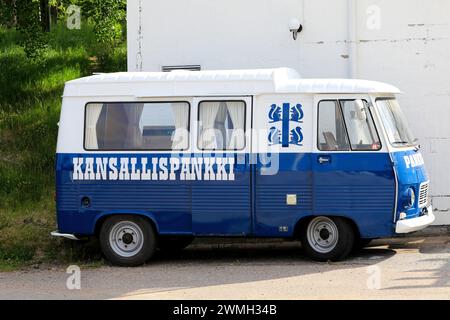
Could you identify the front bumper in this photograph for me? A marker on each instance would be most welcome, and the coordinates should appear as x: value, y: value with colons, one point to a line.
x: 414, y: 224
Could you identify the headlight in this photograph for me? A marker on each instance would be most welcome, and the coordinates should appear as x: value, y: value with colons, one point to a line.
x: 410, y: 198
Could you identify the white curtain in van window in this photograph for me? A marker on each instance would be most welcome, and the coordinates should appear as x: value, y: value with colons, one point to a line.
x: 237, y: 115
x: 92, y: 114
x: 134, y: 134
x: 180, y: 138
x: 219, y: 126
x: 207, y: 136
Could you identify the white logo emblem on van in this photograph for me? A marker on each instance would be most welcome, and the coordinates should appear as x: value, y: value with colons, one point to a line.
x: 125, y: 168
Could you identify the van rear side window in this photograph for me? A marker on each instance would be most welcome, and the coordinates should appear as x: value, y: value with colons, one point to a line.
x: 221, y: 125
x: 137, y: 126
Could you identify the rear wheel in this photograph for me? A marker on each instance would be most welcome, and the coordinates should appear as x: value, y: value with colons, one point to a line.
x: 127, y: 240
x: 327, y: 238
x: 168, y: 243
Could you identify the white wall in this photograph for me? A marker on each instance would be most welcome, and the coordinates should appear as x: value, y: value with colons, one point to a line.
x: 408, y: 46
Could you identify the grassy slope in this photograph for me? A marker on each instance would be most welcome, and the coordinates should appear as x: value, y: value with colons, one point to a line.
x: 30, y: 98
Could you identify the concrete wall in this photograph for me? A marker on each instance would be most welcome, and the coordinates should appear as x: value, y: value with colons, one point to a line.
x: 402, y: 42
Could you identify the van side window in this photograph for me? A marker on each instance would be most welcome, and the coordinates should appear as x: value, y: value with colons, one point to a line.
x: 360, y: 127
x: 137, y: 126
x: 221, y: 125
x: 331, y: 129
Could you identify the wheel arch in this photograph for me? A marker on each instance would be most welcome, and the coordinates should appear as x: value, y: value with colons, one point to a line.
x: 303, y: 221
x: 101, y: 218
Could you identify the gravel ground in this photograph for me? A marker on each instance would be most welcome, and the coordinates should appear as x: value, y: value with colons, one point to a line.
x: 404, y: 268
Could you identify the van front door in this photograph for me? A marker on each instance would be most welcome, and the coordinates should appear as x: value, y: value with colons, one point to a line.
x: 221, y: 201
x: 353, y: 174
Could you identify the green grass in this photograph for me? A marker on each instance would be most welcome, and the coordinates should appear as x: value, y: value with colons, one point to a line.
x: 7, y: 265
x: 30, y: 99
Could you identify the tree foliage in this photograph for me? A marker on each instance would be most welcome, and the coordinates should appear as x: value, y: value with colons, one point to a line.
x: 7, y: 13
x: 106, y: 16
x: 28, y: 23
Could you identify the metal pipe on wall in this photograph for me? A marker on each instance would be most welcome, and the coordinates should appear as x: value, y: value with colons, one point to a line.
x: 352, y: 39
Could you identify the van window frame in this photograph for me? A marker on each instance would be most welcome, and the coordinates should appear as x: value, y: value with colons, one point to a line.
x: 345, y: 126
x: 137, y: 150
x: 415, y: 143
x: 373, y: 121
x: 198, y: 121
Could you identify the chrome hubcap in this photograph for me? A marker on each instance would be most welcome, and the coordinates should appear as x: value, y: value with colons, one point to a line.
x: 322, y: 234
x: 126, y: 238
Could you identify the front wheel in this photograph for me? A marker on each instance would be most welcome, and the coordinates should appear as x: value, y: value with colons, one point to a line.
x: 127, y: 241
x: 327, y: 238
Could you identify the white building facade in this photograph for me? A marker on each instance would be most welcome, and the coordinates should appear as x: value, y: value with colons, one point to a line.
x: 402, y: 42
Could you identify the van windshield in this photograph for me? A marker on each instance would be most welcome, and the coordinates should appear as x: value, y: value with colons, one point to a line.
x: 395, y: 123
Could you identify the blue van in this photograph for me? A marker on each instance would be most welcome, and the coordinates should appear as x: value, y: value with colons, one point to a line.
x: 149, y: 161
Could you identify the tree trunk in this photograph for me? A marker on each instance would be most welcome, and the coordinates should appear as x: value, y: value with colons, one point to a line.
x: 14, y: 13
x: 45, y: 15
x: 54, y: 15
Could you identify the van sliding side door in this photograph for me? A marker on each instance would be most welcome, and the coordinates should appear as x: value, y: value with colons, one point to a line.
x: 221, y: 203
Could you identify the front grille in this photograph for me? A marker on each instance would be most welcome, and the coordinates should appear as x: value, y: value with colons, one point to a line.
x: 423, y: 194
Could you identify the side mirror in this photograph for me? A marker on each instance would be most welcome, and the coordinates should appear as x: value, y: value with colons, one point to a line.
x: 360, y: 110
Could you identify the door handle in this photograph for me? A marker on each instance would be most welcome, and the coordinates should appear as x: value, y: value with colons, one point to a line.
x: 324, y: 159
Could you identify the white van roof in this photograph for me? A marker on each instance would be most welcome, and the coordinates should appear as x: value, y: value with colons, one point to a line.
x: 215, y: 82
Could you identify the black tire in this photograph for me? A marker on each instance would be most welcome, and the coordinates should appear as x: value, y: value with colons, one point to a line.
x: 169, y: 243
x: 343, y: 244
x: 144, y: 241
